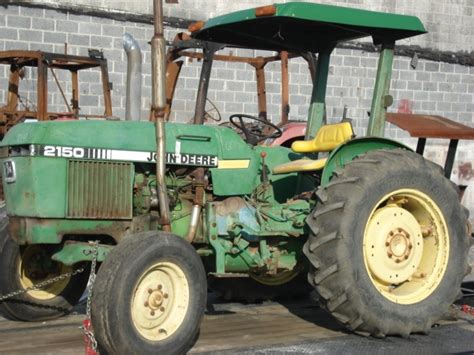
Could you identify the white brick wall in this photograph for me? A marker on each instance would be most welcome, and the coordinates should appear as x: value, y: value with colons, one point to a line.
x: 449, y: 22
x: 433, y: 87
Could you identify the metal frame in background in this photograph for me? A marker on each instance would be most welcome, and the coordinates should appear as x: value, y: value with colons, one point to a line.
x: 10, y: 114
x: 179, y: 49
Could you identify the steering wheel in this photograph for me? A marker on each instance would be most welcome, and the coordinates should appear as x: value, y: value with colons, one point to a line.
x: 213, y: 112
x: 255, y: 133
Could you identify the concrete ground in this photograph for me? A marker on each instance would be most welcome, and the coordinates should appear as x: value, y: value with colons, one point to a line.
x: 267, y: 328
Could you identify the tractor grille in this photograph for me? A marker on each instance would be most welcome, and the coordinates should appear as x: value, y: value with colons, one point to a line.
x: 99, y: 190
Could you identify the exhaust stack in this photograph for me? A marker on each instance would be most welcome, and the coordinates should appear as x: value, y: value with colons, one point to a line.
x: 134, y: 78
x: 158, y: 82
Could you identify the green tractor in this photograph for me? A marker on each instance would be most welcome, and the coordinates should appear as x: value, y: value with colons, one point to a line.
x: 377, y: 229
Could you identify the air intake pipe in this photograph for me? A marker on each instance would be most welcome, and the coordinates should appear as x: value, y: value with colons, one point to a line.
x: 134, y: 78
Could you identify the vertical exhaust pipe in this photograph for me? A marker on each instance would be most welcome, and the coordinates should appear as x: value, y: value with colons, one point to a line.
x: 134, y: 78
x: 158, y: 82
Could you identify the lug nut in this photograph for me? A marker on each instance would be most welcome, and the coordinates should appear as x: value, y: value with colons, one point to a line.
x: 165, y: 295
x: 146, y: 304
x: 397, y: 260
x: 160, y: 287
x: 406, y: 257
x: 152, y: 313
x: 410, y: 246
x: 162, y: 309
x: 387, y: 244
x: 150, y: 290
x: 389, y: 254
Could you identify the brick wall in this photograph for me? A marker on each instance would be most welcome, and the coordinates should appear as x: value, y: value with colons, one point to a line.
x: 432, y: 87
x: 449, y: 23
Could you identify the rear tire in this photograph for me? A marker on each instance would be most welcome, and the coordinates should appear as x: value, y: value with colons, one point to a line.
x: 22, y: 267
x: 149, y: 296
x: 388, y: 244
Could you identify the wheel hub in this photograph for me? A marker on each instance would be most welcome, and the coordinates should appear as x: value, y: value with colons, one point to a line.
x: 156, y: 298
x: 398, y: 245
x: 160, y: 301
x: 394, y: 245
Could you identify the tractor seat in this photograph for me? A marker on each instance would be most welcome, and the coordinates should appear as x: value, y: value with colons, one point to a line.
x: 329, y: 137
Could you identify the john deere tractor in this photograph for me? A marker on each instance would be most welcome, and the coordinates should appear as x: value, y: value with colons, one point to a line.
x: 377, y: 229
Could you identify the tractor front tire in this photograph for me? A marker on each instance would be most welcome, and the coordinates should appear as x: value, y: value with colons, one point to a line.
x: 24, y: 266
x: 149, y: 296
x: 388, y: 244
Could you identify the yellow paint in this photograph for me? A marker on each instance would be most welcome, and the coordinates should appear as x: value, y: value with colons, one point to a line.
x: 300, y: 165
x: 160, y: 301
x: 405, y: 264
x: 233, y: 164
x: 31, y: 273
x: 328, y: 137
x: 276, y: 280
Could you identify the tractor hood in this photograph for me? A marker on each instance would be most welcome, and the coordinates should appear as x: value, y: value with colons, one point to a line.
x: 48, y: 146
x: 132, y: 137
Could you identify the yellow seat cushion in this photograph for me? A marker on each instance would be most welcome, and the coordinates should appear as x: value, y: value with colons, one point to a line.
x: 300, y: 165
x: 328, y: 137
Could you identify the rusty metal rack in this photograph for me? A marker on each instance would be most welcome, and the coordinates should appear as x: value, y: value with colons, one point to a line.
x: 428, y: 126
x: 10, y: 114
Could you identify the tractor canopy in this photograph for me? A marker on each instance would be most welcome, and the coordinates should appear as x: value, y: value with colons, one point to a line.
x: 306, y: 27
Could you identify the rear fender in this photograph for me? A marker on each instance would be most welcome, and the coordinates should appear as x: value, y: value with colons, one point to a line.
x: 349, y: 150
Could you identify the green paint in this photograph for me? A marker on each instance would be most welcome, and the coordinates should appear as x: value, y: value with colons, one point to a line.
x: 283, y: 219
x: 51, y: 231
x: 215, y: 242
x: 382, y: 88
x: 329, y: 14
x: 318, y: 97
x: 99, y: 189
x: 74, y: 252
x: 128, y: 135
x: 222, y: 142
x: 250, y: 258
x: 181, y: 217
x: 337, y: 23
x: 39, y: 189
x: 348, y: 151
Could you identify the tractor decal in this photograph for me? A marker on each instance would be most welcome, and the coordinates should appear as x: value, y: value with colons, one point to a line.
x: 121, y: 155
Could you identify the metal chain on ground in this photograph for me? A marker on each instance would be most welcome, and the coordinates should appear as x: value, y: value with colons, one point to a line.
x: 90, y: 285
x: 40, y: 285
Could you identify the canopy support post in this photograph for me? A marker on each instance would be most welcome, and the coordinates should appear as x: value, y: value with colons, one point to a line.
x: 381, y: 99
x: 317, y: 109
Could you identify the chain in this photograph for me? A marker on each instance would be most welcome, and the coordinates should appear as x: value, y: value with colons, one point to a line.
x: 88, y: 333
x: 91, y: 281
x: 40, y: 285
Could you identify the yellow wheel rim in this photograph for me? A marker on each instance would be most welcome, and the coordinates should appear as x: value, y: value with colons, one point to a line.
x: 280, y: 278
x: 406, y: 246
x: 160, y: 301
x: 34, y: 266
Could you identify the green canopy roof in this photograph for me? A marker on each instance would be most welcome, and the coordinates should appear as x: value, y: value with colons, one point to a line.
x: 303, y: 26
